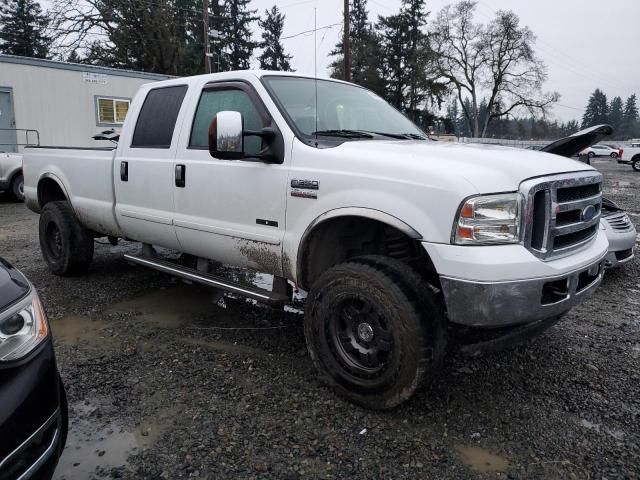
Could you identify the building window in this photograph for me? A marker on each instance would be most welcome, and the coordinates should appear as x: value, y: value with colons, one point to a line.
x: 112, y: 111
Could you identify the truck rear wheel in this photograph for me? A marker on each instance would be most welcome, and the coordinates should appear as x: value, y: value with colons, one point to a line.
x: 636, y: 164
x: 66, y: 245
x: 374, y: 329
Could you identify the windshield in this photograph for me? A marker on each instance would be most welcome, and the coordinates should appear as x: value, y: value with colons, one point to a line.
x: 343, y: 110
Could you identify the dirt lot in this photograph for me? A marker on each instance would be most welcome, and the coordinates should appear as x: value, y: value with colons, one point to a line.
x: 164, y: 384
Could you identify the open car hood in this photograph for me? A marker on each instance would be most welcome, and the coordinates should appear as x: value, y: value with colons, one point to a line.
x: 574, y: 144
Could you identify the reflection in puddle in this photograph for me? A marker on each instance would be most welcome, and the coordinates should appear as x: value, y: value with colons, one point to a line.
x: 94, y: 449
x: 481, y: 460
x: 92, y: 452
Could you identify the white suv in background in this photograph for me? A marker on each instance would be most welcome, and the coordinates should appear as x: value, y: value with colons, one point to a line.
x: 600, y: 151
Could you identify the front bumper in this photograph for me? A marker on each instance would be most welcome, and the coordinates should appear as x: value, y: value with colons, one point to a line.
x: 33, y: 419
x: 500, y: 304
x: 621, y: 245
x: 506, y: 285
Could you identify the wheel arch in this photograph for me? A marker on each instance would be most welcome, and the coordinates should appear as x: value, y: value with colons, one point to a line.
x: 344, y: 233
x: 50, y: 189
x: 14, y: 174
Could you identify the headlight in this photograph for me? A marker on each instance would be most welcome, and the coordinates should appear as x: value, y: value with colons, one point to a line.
x: 22, y: 328
x: 489, y: 219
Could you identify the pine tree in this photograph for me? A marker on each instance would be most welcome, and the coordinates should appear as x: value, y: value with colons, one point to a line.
x: 236, y: 46
x: 597, y: 110
x: 630, y: 118
x: 23, y: 29
x: 364, y: 50
x: 273, y: 56
x: 615, y: 115
x: 408, y: 61
x: 392, y: 38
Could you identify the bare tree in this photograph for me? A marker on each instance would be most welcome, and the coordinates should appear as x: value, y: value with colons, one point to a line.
x: 494, y: 63
x: 160, y: 36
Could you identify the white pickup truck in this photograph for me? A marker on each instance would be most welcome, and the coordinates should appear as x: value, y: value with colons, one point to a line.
x: 398, y: 239
x: 631, y: 155
x: 11, y: 179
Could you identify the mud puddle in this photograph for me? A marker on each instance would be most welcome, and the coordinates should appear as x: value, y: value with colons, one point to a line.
x: 96, y: 450
x: 481, y: 460
x: 94, y: 453
x: 170, y: 308
x: 76, y: 329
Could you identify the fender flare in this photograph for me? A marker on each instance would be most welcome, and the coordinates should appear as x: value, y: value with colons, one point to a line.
x: 362, y: 212
x: 56, y: 179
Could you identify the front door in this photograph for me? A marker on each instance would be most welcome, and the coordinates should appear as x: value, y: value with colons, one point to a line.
x: 232, y: 211
x: 7, y: 122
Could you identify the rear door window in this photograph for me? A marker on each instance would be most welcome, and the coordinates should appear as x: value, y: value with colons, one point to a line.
x: 157, y: 119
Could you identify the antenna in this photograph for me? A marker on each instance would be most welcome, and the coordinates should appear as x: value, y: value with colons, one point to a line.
x: 315, y: 64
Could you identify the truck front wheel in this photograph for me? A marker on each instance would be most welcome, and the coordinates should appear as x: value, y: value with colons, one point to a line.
x: 374, y: 330
x: 66, y: 245
x: 636, y: 164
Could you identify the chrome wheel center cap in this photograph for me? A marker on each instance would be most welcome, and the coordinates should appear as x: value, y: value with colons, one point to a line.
x: 365, y: 332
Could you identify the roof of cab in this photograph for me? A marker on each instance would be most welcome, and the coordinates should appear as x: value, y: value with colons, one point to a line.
x: 237, y: 75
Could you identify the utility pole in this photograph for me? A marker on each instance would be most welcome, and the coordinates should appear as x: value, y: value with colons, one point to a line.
x: 205, y: 22
x: 345, y: 41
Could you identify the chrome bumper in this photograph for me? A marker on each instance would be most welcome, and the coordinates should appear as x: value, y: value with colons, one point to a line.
x: 501, y: 304
x: 52, y: 428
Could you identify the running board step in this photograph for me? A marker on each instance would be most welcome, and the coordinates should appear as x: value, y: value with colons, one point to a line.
x: 259, y: 294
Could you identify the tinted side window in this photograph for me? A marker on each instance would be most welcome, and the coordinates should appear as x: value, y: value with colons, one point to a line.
x: 157, y: 119
x: 214, y: 101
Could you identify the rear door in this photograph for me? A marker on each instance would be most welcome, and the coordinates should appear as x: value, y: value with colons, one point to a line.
x: 232, y: 211
x: 143, y: 170
x: 7, y: 122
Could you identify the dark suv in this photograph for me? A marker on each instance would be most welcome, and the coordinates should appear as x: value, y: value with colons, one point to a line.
x: 33, y: 407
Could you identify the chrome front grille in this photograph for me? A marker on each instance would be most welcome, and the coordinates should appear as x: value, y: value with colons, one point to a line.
x: 619, y: 221
x: 562, y: 212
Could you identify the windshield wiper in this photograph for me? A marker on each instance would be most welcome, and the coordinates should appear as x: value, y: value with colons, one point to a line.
x: 401, y: 136
x: 343, y: 133
x: 368, y: 134
x: 415, y: 136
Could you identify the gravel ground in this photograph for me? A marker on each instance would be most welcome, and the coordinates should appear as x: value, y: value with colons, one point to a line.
x: 162, y: 383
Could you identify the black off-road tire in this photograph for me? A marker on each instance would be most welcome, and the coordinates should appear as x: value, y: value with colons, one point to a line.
x: 636, y: 164
x: 407, y: 316
x: 17, y: 187
x: 66, y: 245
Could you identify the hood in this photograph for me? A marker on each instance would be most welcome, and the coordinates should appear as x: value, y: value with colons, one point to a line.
x: 13, y: 285
x: 572, y: 145
x: 488, y: 168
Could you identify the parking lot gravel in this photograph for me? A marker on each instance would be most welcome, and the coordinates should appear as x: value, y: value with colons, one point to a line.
x: 163, y: 383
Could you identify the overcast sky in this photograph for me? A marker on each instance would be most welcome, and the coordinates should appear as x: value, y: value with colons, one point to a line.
x: 586, y: 44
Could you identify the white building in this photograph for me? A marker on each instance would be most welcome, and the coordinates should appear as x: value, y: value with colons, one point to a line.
x: 66, y: 103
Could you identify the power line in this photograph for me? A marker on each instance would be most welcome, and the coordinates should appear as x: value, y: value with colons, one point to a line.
x: 310, y: 31
x: 568, y: 62
x: 383, y: 5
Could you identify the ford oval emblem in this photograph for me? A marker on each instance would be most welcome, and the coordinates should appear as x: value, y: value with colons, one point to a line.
x: 588, y: 213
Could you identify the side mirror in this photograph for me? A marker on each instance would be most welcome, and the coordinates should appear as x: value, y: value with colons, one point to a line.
x: 226, y: 136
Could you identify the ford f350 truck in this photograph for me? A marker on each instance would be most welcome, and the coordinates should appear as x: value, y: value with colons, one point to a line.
x: 323, y: 184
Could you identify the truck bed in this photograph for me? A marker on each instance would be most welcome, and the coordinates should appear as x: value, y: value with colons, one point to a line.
x: 90, y: 189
